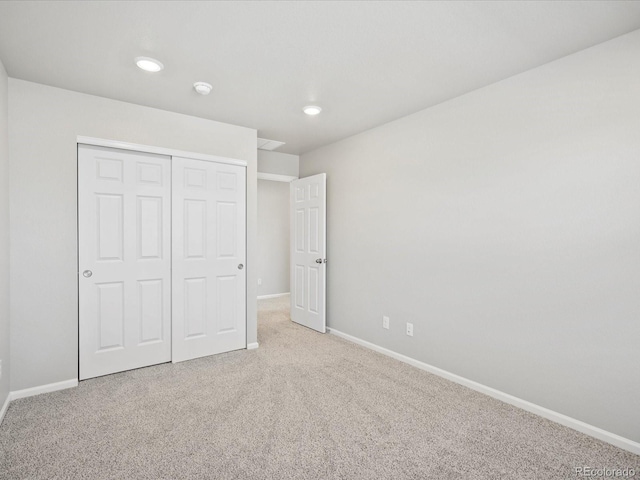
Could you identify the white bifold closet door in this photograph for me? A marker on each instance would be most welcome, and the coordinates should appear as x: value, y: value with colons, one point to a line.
x: 209, y: 278
x: 124, y: 233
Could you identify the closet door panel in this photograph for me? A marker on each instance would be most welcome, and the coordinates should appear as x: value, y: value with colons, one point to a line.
x: 124, y: 241
x: 209, y: 279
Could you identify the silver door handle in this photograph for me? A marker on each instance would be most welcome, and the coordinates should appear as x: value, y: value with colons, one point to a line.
x: 318, y: 260
x: 240, y: 266
x: 87, y: 273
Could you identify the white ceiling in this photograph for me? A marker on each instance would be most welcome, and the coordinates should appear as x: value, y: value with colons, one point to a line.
x: 365, y: 63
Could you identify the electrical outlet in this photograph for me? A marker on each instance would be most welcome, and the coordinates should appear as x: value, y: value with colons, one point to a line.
x: 385, y: 322
x: 259, y: 281
x: 410, y: 329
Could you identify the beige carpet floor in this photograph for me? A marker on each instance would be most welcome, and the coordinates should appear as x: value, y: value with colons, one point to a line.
x: 302, y: 406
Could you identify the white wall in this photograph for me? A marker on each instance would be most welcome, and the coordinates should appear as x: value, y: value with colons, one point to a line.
x: 273, y: 221
x: 4, y: 236
x: 505, y: 224
x: 273, y: 237
x: 43, y: 125
x: 278, y: 162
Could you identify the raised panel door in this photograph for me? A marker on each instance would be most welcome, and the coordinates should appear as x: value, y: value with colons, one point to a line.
x: 308, y: 251
x: 124, y: 260
x: 209, y: 278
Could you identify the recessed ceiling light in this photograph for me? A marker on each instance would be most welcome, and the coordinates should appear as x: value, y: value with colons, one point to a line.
x: 312, y: 110
x: 203, y: 88
x: 149, y: 64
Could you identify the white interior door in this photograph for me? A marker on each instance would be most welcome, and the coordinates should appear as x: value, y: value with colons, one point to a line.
x: 308, y: 216
x: 209, y: 242
x: 124, y: 258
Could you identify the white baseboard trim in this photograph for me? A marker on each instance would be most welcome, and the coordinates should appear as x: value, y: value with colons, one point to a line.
x: 5, y: 407
x: 51, y: 387
x: 252, y: 346
x: 273, y: 295
x: 580, y: 426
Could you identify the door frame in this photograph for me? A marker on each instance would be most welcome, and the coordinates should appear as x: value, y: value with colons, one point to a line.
x: 100, y: 142
x: 136, y: 147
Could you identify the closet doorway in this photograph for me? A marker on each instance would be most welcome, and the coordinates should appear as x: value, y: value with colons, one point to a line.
x: 162, y: 248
